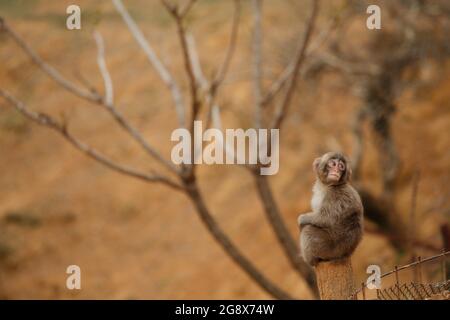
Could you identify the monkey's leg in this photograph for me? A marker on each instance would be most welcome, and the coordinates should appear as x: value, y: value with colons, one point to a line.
x: 310, y: 241
x: 307, y: 255
x: 317, y: 245
x: 327, y: 250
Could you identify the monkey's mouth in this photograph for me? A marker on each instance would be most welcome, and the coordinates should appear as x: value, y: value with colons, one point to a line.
x: 334, y: 176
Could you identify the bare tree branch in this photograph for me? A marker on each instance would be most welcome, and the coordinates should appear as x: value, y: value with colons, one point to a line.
x: 191, y: 190
x: 192, y: 67
x: 222, y: 71
x: 217, y: 123
x: 109, y: 91
x: 211, y: 88
x: 281, y: 111
x: 196, y: 78
x: 120, y: 119
x: 358, y: 145
x: 213, y: 116
x: 231, y: 249
x: 351, y: 68
x: 48, y: 69
x: 280, y: 82
x: 192, y: 81
x: 200, y: 79
x: 257, y: 61
x: 187, y: 7
x: 195, y: 103
x: 171, y: 7
x: 92, y: 97
x: 195, y: 62
x: 162, y: 71
x: 264, y: 191
x: 48, y: 121
x: 202, y: 82
x: 282, y: 233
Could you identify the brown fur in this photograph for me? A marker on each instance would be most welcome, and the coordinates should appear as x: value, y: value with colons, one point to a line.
x: 335, y: 227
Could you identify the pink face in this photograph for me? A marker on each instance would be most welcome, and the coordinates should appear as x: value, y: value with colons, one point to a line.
x: 335, y: 168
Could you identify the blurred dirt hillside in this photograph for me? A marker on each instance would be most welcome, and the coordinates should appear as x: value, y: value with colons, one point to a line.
x: 135, y: 240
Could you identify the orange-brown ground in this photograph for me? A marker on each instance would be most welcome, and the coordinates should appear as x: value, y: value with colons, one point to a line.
x: 136, y: 240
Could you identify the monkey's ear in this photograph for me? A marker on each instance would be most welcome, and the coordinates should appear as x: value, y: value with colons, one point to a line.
x: 316, y: 164
x: 348, y: 171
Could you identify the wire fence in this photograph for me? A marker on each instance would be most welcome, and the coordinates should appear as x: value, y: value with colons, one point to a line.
x: 434, y: 285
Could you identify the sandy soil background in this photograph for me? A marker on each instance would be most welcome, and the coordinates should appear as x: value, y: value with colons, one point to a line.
x: 136, y: 240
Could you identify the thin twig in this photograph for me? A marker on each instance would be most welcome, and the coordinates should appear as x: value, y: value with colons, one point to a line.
x: 358, y: 144
x: 109, y: 91
x: 195, y: 62
x: 200, y: 79
x: 283, y: 78
x: 189, y: 68
x: 93, y: 97
x: 172, y: 9
x: 187, y: 7
x: 48, y: 69
x: 278, y: 84
x: 107, y: 103
x: 351, y: 67
x: 195, y: 103
x: 217, y: 123
x: 281, y: 111
x: 162, y: 71
x: 48, y: 121
x: 211, y: 88
x: 257, y: 61
x: 214, y: 117
x: 222, y: 71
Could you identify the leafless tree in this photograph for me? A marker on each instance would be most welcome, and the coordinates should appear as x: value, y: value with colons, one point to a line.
x: 202, y: 94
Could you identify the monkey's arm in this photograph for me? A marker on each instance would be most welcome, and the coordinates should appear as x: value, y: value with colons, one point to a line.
x: 302, y: 219
x: 313, y: 219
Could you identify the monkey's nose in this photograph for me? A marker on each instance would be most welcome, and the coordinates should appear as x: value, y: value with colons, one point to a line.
x: 335, y: 172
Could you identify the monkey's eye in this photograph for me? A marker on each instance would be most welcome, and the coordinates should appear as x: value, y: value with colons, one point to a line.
x: 341, y: 166
x: 331, y: 163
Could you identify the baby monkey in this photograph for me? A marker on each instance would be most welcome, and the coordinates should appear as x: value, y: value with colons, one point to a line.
x: 334, y: 228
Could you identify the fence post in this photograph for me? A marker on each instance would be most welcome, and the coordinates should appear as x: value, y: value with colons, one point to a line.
x: 335, y: 279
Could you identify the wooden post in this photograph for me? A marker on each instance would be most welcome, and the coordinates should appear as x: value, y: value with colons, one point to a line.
x: 335, y: 279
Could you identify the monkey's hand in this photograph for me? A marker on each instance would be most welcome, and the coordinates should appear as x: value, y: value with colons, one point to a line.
x: 312, y: 219
x: 304, y: 219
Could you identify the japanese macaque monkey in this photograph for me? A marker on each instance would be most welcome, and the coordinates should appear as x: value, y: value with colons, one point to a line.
x: 334, y: 228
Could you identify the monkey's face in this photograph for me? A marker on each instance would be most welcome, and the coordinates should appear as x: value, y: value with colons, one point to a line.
x: 335, y: 170
x: 332, y: 168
